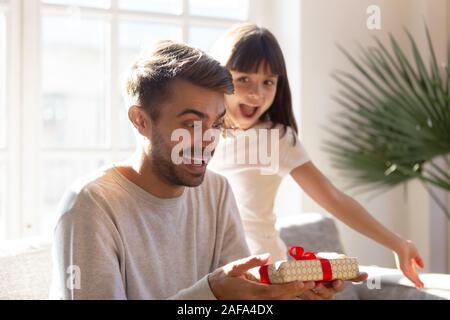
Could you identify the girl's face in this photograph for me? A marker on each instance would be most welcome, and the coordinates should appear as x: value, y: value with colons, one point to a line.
x: 253, y: 95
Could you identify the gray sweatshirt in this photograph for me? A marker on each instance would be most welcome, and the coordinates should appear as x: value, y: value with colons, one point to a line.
x: 114, y: 240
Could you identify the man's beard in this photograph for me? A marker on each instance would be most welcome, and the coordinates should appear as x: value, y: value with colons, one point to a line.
x: 164, y: 167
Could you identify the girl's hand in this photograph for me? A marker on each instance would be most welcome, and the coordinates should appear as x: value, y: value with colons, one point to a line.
x: 408, y: 259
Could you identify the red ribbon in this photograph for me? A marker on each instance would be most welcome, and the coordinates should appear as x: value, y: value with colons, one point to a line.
x: 298, y: 253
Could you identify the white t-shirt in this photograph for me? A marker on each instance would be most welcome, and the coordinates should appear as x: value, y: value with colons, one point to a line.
x: 255, y: 183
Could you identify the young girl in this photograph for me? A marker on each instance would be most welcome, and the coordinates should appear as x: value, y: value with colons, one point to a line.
x: 262, y: 101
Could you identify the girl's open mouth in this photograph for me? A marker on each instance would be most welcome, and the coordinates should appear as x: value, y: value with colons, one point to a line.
x: 248, y: 111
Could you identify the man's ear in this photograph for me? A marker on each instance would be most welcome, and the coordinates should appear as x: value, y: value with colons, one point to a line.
x: 140, y: 119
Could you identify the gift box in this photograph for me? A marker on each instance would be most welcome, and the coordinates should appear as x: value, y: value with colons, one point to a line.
x: 308, y: 266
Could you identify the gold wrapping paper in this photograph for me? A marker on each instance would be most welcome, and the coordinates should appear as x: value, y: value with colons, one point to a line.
x: 311, y: 270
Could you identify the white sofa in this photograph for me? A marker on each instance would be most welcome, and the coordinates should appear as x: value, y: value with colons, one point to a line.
x: 316, y: 232
x: 25, y: 269
x: 25, y: 265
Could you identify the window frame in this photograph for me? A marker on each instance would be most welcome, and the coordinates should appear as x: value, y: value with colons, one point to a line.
x: 11, y: 154
x: 4, y: 9
x: 24, y: 151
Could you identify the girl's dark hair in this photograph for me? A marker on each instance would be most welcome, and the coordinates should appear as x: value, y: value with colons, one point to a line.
x: 244, y: 48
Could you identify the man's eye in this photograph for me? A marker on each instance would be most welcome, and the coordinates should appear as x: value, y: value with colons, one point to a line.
x: 190, y: 125
x: 218, y: 125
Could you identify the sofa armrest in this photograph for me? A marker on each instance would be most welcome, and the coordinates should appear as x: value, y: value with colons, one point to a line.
x: 388, y: 283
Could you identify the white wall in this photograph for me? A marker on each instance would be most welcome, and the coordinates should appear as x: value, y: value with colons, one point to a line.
x: 317, y: 25
x: 427, y: 224
x: 323, y: 23
x: 282, y: 17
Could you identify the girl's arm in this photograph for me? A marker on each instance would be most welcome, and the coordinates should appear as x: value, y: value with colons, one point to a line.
x: 349, y: 211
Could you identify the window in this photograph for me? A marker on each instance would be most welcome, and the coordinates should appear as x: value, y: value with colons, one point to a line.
x: 72, y: 119
x: 231, y: 9
x: 3, y: 118
x: 73, y: 112
x: 204, y: 36
x: 133, y: 37
x: 105, y: 4
x: 2, y: 76
x: 3, y: 182
x: 156, y: 6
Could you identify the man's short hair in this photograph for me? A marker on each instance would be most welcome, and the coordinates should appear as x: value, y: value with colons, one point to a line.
x: 148, y: 82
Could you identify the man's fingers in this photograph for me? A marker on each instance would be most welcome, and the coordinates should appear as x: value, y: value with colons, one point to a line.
x: 330, y: 255
x: 251, y: 277
x: 326, y: 293
x: 310, y: 295
x: 286, y: 290
x: 239, y: 267
x: 361, y: 277
x: 338, y: 285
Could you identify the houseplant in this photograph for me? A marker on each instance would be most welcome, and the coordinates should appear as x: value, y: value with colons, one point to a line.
x: 395, y: 123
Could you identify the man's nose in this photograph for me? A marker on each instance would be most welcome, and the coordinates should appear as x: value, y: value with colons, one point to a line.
x: 199, y: 148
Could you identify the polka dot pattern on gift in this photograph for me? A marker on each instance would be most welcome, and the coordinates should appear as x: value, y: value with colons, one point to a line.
x: 311, y: 270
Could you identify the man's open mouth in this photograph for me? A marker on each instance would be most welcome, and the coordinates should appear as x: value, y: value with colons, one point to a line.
x: 195, y: 161
x: 195, y: 166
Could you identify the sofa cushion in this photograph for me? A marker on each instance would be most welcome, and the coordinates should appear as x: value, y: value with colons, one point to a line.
x: 25, y: 270
x: 312, y: 231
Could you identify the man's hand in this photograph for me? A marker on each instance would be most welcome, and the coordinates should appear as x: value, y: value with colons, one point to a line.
x: 234, y: 282
x: 329, y: 291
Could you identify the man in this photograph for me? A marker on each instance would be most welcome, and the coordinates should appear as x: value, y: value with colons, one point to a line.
x: 152, y: 229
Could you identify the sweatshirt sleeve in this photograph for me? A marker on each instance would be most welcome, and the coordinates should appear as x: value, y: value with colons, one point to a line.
x: 86, y: 255
x: 234, y: 246
x: 199, y: 291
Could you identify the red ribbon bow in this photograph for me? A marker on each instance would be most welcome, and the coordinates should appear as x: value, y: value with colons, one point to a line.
x: 298, y: 253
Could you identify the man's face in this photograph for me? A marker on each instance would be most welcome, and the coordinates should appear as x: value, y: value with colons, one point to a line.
x: 186, y: 105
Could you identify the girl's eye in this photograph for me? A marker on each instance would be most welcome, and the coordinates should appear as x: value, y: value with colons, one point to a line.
x: 270, y: 82
x: 243, y: 79
x: 190, y: 125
